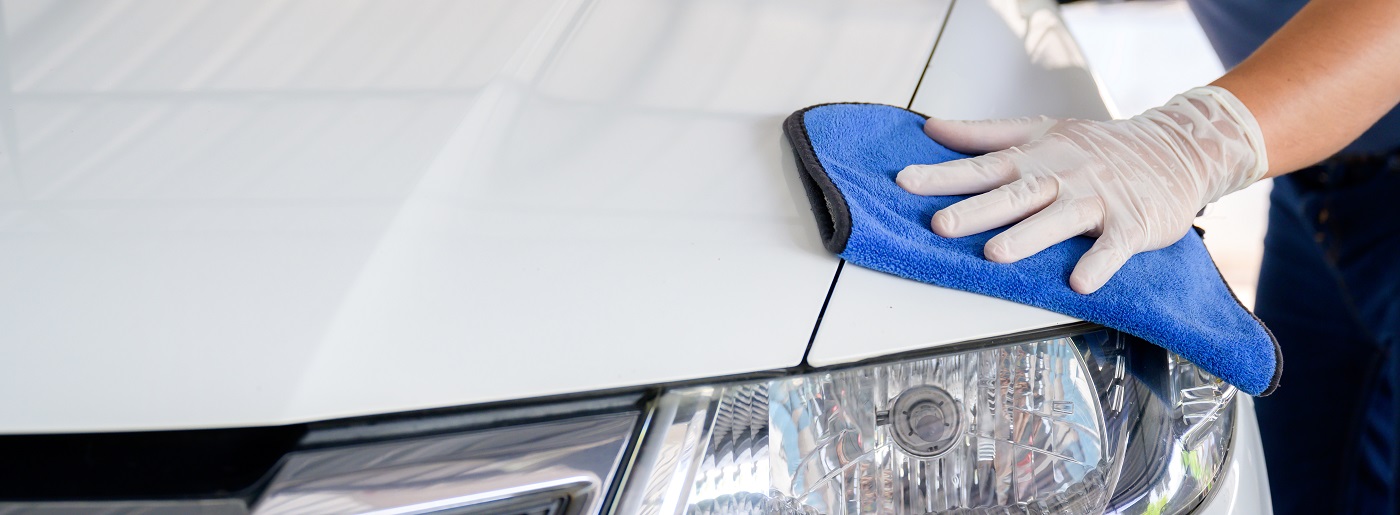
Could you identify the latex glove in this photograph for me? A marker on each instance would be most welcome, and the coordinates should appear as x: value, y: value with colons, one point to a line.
x: 1136, y: 184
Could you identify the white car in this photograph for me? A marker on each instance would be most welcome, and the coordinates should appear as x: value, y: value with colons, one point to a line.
x: 536, y: 256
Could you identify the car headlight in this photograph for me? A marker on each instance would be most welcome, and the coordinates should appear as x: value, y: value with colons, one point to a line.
x: 1081, y: 425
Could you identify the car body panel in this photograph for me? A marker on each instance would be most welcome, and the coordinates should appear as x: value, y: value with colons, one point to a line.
x: 1038, y: 69
x: 234, y: 214
x: 218, y: 214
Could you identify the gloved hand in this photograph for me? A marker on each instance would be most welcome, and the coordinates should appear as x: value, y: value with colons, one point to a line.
x: 1136, y: 184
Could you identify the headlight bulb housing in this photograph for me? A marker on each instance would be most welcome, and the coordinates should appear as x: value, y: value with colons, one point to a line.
x: 924, y: 421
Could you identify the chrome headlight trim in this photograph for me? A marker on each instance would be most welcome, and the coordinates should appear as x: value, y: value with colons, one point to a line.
x: 566, y: 464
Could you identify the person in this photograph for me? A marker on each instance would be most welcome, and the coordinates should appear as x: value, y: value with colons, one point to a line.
x: 1310, y: 98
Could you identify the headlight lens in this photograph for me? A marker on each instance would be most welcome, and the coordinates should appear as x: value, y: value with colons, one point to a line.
x: 1046, y: 426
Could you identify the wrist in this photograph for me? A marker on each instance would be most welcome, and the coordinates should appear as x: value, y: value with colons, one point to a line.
x: 1214, y: 137
x: 1241, y: 117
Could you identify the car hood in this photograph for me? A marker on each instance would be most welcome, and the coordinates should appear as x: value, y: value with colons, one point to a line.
x: 255, y: 213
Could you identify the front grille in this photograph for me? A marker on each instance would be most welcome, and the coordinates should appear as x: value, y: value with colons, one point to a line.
x: 548, y: 459
x: 200, y: 464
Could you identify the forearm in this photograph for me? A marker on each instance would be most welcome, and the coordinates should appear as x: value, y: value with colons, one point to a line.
x: 1322, y: 80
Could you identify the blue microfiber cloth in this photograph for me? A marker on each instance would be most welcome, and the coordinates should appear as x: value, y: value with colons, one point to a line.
x: 848, y: 155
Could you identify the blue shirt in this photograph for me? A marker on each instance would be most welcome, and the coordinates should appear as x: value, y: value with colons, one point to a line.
x: 1237, y: 27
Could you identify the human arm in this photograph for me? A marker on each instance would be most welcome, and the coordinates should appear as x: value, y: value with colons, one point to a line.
x: 1137, y: 183
x: 1322, y: 80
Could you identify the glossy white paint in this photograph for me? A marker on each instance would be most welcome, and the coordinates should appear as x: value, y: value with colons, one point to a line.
x: 247, y: 213
x: 873, y: 314
x: 1036, y: 69
x: 1245, y: 488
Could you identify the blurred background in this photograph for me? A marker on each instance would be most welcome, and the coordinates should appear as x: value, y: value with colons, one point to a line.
x: 1145, y: 52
